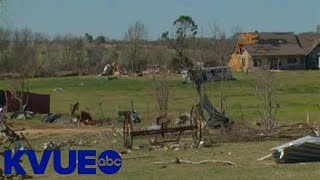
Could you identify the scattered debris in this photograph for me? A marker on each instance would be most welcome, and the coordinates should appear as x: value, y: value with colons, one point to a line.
x: 50, y: 118
x: 242, y: 132
x: 65, y: 145
x: 155, y: 147
x: 305, y: 149
x: 85, y: 117
x: 175, y: 146
x: 58, y: 89
x: 139, y: 157
x: 179, y: 161
x: 14, y: 175
x: 15, y: 139
x: 111, y: 69
x: 81, y: 142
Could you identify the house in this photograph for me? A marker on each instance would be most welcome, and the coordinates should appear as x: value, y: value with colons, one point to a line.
x: 277, y: 50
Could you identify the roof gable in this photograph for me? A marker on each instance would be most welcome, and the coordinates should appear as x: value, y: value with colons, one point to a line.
x: 309, y: 41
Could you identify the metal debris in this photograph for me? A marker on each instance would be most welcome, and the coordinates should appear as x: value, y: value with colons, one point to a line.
x: 305, y: 149
x: 50, y: 118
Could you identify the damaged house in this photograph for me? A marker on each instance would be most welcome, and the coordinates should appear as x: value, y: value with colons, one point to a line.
x: 277, y: 51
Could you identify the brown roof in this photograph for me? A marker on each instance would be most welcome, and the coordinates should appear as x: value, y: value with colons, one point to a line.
x: 275, y: 44
x: 309, y: 41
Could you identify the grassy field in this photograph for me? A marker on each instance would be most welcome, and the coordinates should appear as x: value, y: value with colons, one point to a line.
x: 299, y: 92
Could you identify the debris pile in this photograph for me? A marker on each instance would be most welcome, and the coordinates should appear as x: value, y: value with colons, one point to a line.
x: 111, y: 70
x: 241, y: 132
x: 15, y: 139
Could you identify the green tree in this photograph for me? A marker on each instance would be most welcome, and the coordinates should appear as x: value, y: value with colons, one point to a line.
x: 89, y: 37
x: 185, y: 28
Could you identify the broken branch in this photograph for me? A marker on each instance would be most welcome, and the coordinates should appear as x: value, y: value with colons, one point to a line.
x: 178, y: 161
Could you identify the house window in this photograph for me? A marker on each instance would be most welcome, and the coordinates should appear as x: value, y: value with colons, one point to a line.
x: 292, y: 60
x: 257, y: 62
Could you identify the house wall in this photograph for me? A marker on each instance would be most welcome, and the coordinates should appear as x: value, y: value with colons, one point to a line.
x: 280, y: 62
x: 285, y: 62
x: 287, y: 65
x: 245, y: 60
x: 312, y: 59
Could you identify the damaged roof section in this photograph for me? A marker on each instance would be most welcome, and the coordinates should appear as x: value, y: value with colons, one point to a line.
x: 305, y: 149
x: 275, y: 44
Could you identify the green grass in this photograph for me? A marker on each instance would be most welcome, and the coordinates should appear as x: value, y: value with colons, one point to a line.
x: 299, y: 91
x: 243, y: 154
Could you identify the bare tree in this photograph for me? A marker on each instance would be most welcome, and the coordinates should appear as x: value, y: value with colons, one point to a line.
x: 222, y: 47
x: 158, y: 55
x: 135, y: 35
x: 24, y: 53
x: 318, y: 28
x: 24, y: 62
x: 4, y: 53
x: 161, y: 86
x: 265, y: 88
x: 72, y: 55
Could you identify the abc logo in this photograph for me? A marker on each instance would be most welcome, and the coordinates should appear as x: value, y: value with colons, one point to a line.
x: 109, y: 162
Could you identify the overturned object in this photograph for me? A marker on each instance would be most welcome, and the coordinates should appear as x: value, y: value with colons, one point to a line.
x: 217, y: 119
x: 305, y: 149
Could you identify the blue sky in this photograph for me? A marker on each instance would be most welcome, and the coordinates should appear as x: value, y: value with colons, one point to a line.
x: 112, y: 17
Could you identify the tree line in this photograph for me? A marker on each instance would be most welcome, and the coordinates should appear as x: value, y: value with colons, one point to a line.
x: 32, y: 54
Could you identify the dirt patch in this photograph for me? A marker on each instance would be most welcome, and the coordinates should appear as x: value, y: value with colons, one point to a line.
x: 50, y: 131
